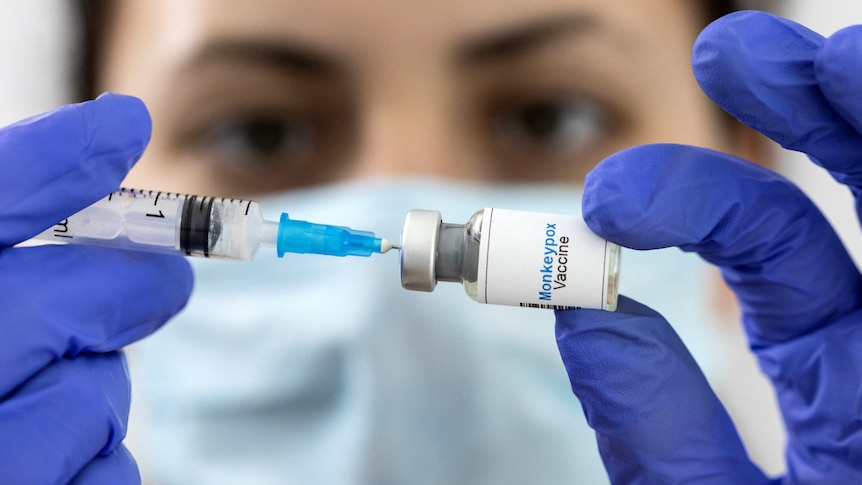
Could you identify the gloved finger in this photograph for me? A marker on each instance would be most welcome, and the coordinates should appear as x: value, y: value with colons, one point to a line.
x: 62, y: 418
x: 838, y: 67
x: 59, y: 301
x: 760, y: 69
x: 816, y: 378
x: 783, y: 260
x: 655, y: 416
x: 117, y: 467
x: 55, y: 164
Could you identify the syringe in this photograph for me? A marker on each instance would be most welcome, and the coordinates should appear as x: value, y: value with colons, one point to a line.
x: 212, y: 227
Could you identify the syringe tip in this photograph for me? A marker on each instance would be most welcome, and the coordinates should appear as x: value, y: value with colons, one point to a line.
x: 385, y: 245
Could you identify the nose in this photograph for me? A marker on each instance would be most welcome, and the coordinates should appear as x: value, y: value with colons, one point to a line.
x: 410, y: 127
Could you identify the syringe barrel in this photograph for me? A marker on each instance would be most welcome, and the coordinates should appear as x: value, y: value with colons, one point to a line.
x: 221, y: 228
x: 148, y: 220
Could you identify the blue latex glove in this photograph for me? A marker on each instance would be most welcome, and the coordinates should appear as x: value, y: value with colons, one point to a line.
x: 656, y: 419
x: 65, y: 311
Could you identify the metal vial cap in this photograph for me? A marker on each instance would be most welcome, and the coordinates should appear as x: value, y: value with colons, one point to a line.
x: 419, y: 240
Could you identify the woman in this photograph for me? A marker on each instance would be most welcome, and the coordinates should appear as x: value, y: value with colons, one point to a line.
x: 353, y: 113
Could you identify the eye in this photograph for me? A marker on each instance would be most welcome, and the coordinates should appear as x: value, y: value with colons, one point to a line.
x: 263, y: 141
x: 549, y: 127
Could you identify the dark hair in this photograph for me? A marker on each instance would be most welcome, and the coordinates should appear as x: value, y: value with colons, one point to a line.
x: 714, y: 9
x: 93, y: 20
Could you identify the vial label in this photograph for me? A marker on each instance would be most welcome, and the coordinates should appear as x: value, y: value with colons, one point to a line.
x: 541, y: 260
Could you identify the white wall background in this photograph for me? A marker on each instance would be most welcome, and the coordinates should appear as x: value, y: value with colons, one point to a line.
x: 33, y: 44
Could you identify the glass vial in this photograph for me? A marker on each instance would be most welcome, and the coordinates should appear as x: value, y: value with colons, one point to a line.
x: 509, y: 257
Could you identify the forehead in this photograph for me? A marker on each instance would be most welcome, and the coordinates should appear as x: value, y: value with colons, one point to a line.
x: 357, y: 27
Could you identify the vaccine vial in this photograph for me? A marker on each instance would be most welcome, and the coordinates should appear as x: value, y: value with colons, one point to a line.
x: 510, y: 257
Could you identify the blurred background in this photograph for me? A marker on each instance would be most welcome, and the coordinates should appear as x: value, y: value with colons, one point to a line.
x: 33, y: 48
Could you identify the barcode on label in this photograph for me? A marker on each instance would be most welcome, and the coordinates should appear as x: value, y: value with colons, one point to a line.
x: 548, y: 307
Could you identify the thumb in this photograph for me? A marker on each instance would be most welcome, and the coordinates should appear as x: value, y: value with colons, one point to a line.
x: 655, y: 416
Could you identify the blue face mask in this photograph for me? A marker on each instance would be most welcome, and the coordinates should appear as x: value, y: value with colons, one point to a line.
x: 315, y: 369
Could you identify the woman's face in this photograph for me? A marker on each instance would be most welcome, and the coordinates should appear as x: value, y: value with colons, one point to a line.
x: 265, y: 95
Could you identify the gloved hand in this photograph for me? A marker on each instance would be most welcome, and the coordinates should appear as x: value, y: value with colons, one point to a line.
x: 66, y: 311
x: 656, y: 419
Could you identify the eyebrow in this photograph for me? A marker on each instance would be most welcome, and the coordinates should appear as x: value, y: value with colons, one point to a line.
x: 296, y: 58
x: 514, y: 41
